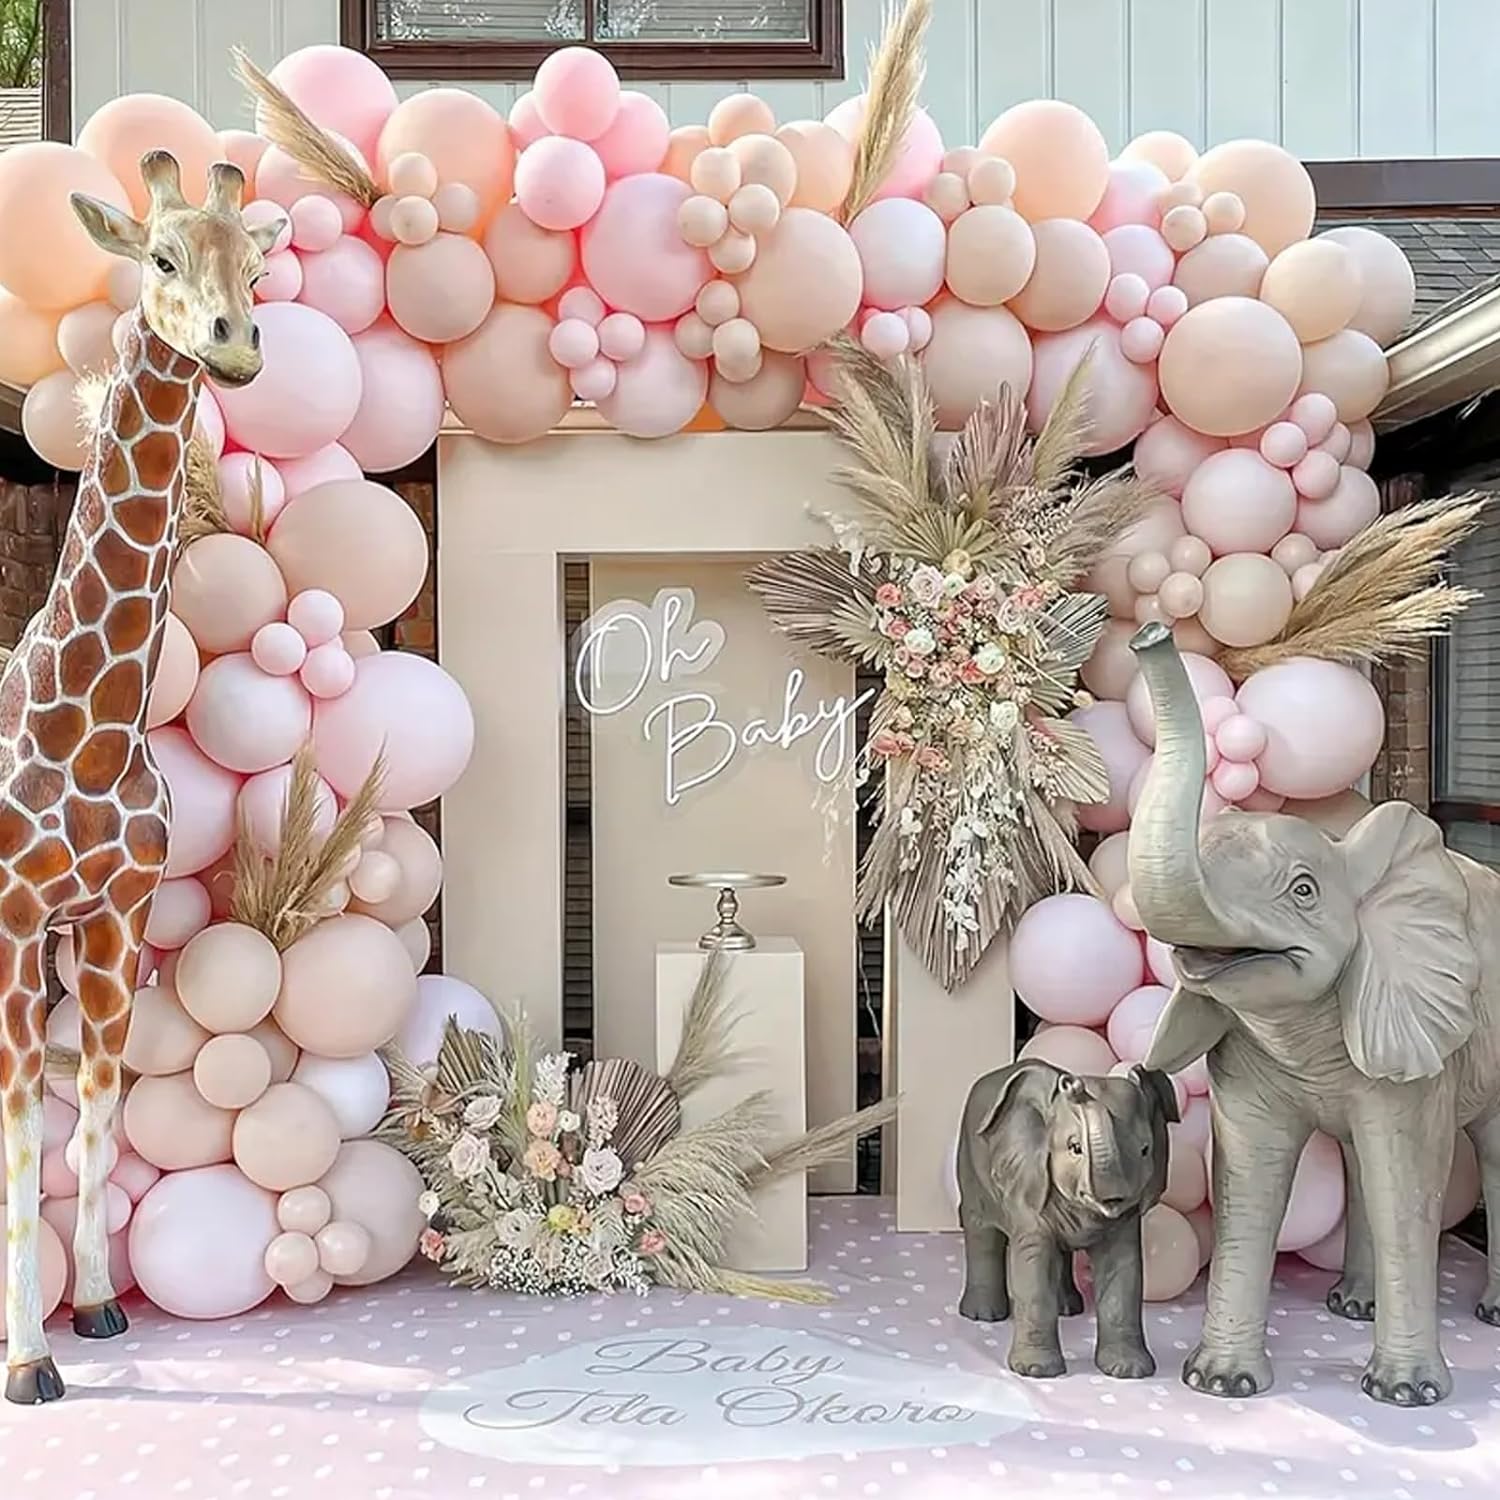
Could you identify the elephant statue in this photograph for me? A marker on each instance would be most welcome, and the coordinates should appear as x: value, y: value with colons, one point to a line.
x: 1347, y: 985
x: 1048, y: 1164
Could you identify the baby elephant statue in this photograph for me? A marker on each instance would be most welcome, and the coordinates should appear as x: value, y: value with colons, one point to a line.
x: 1049, y: 1164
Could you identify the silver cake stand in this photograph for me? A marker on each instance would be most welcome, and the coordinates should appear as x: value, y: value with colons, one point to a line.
x: 727, y: 933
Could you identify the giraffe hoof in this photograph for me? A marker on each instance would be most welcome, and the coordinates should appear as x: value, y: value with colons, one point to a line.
x: 106, y: 1321
x: 34, y: 1383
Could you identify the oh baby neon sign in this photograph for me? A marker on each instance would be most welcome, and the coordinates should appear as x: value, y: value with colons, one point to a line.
x: 626, y: 646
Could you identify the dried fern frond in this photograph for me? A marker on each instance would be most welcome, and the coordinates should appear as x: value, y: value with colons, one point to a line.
x: 203, y: 512
x: 897, y: 68
x: 287, y: 894
x: 309, y: 145
x: 815, y: 600
x: 705, y: 1051
x: 1380, y: 596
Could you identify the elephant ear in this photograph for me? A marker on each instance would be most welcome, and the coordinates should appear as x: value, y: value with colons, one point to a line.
x: 1407, y: 992
x: 1157, y: 1087
x: 1015, y: 1126
x: 1189, y: 1027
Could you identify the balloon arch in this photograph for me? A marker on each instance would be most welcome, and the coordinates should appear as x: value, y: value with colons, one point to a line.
x: 451, y: 259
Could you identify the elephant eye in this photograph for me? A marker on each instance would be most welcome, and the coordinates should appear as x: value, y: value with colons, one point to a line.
x: 1076, y: 1147
x: 1304, y: 890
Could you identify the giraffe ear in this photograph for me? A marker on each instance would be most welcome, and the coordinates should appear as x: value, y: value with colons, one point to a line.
x: 110, y: 228
x: 265, y: 235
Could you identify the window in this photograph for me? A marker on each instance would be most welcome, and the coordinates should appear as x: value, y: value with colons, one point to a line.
x: 656, y: 39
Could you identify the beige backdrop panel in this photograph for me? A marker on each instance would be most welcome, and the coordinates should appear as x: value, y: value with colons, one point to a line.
x: 766, y: 811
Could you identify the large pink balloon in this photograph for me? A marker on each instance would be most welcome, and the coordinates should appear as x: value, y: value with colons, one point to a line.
x: 804, y: 284
x: 1224, y: 265
x: 375, y: 1186
x: 1230, y: 366
x: 1237, y: 502
x: 1139, y: 250
x: 1071, y: 961
x: 406, y: 708
x: 577, y: 92
x: 902, y: 247
x: 440, y: 997
x: 659, y: 391
x: 339, y: 89
x: 346, y: 282
x: 402, y: 406
x: 918, y: 159
x: 1354, y: 503
x: 298, y: 475
x: 1073, y: 1049
x: 1068, y: 283
x: 262, y: 804
x: 1208, y: 679
x: 347, y: 987
x: 1324, y: 726
x: 198, y: 1241
x: 972, y: 353
x: 1388, y: 286
x: 1131, y: 197
x: 308, y: 391
x: 225, y: 588
x: 1121, y: 395
x: 633, y: 251
x: 636, y: 141
x: 1108, y: 725
x: 1061, y: 160
x: 502, y: 380
x: 203, y: 801
x: 1168, y: 453
x: 246, y: 719
x: 1133, y: 1021
x: 1349, y: 367
x: 559, y: 182
x: 1274, y: 186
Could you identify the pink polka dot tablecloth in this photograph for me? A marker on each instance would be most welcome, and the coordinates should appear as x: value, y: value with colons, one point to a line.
x: 413, y: 1389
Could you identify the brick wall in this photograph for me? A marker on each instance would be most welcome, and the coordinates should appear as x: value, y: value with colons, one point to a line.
x: 32, y: 518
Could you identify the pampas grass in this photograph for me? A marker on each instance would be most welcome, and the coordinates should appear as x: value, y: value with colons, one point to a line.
x: 309, y: 145
x: 1380, y: 597
x: 705, y: 1051
x: 897, y: 69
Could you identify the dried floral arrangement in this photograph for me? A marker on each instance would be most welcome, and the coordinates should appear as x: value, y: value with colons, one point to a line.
x: 1381, y: 596
x: 543, y: 1180
x: 957, y: 577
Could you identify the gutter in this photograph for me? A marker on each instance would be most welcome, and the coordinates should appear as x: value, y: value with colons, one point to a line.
x: 1452, y: 359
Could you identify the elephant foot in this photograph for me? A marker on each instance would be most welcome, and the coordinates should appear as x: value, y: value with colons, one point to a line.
x: 32, y: 1384
x: 1354, y: 1300
x: 1228, y: 1372
x: 1488, y: 1312
x: 1070, y: 1301
x: 1037, y: 1362
x: 1125, y: 1361
x: 1400, y: 1380
x: 984, y: 1305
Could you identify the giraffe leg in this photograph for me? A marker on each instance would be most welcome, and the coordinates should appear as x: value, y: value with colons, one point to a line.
x: 107, y: 947
x: 31, y: 1376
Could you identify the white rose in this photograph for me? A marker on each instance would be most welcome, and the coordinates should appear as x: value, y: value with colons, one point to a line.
x: 1004, y: 715
x: 601, y: 1169
x: 482, y: 1112
x: 989, y: 659
x: 919, y: 641
x: 568, y: 1122
x: 467, y: 1157
x: 926, y: 585
x: 428, y: 1204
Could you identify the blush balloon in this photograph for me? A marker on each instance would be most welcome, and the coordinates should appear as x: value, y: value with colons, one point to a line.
x: 373, y: 1185
x: 1108, y: 725
x: 203, y: 801
x: 659, y: 391
x: 1230, y: 366
x: 1207, y: 678
x: 634, y: 255
x: 1169, y: 1254
x: 1059, y: 155
x: 1388, y: 286
x: 1072, y: 961
x: 903, y: 248
x: 346, y: 283
x: 263, y: 803
x: 1353, y: 505
x: 246, y: 719
x: 176, y: 674
x: 1073, y: 1049
x: 972, y: 353
x: 502, y: 380
x: 179, y: 911
x: 1237, y: 502
x: 1131, y: 196
x: 1121, y: 394
x: 1168, y: 452
x: 991, y: 255
x: 804, y: 249
x: 1132, y: 1022
x: 441, y: 997
x: 1138, y: 250
x: 1069, y: 279
x: 1317, y: 1198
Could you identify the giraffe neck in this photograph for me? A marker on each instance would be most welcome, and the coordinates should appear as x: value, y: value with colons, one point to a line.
x: 108, y: 602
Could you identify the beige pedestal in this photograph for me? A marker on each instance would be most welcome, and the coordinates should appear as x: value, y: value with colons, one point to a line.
x: 942, y: 1043
x: 765, y: 986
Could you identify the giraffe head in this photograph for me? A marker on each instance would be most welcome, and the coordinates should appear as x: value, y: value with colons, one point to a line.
x: 197, y: 264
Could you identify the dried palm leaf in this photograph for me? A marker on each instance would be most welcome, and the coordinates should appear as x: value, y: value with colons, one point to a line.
x: 1380, y: 597
x: 309, y: 145
x: 990, y: 455
x: 1076, y: 773
x: 897, y: 68
x: 650, y: 1111
x: 815, y: 600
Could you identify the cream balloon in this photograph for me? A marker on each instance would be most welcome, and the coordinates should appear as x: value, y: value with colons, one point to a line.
x: 291, y: 1257
x: 1230, y: 366
x: 287, y: 1139
x: 1059, y: 155
x: 1351, y: 368
x: 1388, y: 285
x: 170, y: 1124
x: 356, y: 1089
x: 1224, y: 265
x: 1169, y: 1254
x: 228, y: 977
x: 1276, y: 189
x: 1246, y: 599
x: 373, y: 1185
x: 162, y: 1037
x: 1069, y: 278
x: 343, y: 1248
x: 303, y: 1210
x: 1316, y: 285
x: 232, y: 1071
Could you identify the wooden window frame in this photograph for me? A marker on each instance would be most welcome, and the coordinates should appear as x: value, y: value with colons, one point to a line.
x: 57, y: 70
x: 822, y: 56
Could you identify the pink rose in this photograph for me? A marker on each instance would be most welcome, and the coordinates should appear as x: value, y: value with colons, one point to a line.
x: 970, y: 673
x: 905, y: 744
x: 931, y: 758
x: 541, y: 1119
x: 941, y: 676
x: 653, y: 1242
x: 431, y: 1244
x: 898, y: 628
x: 636, y: 1203
x: 885, y: 743
x: 888, y: 595
x: 542, y: 1160
x: 916, y: 667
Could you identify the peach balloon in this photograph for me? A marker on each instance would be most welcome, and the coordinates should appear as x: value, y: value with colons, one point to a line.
x: 1165, y: 149
x: 991, y: 255
x: 179, y: 911
x: 463, y: 137
x: 1351, y: 368
x: 440, y: 291
x: 279, y: 1047
x: 824, y: 161
x: 805, y: 249
x: 162, y: 1038
x: 764, y: 401
x: 1274, y: 186
x: 373, y: 1185
x: 1187, y: 1181
x: 1353, y: 505
x: 1169, y: 1254
x: 203, y: 801
x: 1060, y: 158
x: 347, y: 985
x: 684, y: 146
x: 1237, y: 502
x: 1316, y: 285
x: 1388, y: 285
x: 121, y: 132
x: 224, y: 588
x: 176, y: 674
x: 1069, y: 279
x: 287, y: 1138
x: 51, y: 422
x: 1246, y: 599
x: 972, y: 353
x: 737, y: 115
x: 228, y: 977
x: 84, y: 337
x: 416, y: 938
x: 29, y: 341
x: 765, y: 162
x: 1108, y: 725
x: 52, y: 1268
x: 502, y: 380
x: 1168, y: 452
x: 1109, y: 862
x: 232, y: 1071
x: 303, y: 1210
x: 1120, y: 395
x: 1224, y: 265
x: 171, y: 1125
x: 251, y: 490
x: 291, y: 1258
x: 1074, y: 1049
x: 1109, y: 670
x: 1230, y: 366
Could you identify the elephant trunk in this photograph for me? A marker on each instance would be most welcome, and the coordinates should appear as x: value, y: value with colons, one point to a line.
x: 1106, y: 1179
x: 1166, y: 879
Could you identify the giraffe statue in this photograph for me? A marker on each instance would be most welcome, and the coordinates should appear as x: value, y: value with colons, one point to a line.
x: 83, y: 810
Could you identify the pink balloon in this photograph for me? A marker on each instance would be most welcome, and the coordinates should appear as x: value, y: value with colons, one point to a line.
x: 1168, y: 452
x: 1071, y: 961
x: 805, y: 249
x: 298, y: 475
x: 1208, y: 680
x: 1283, y: 444
x: 410, y: 710
x: 345, y: 282
x: 1351, y: 368
x: 972, y: 353
x: 238, y: 475
x: 338, y: 88
x: 208, y: 422
x: 502, y: 381
x: 316, y: 615
x: 1133, y: 1020
x: 246, y: 719
x: 316, y: 223
x: 1073, y: 1049
x: 1324, y: 726
x: 1159, y: 963
x: 308, y: 391
x: 262, y: 804
x: 439, y: 998
x: 176, y: 674
x: 918, y: 160
x: 1316, y: 476
x: 1121, y: 393
x: 283, y: 279
x: 577, y: 92
x: 442, y: 290
x: 1229, y: 366
x: 401, y: 406
x: 903, y: 248
x: 1139, y: 250
x: 1237, y: 502
x: 1233, y: 780
x: 1108, y: 725
x: 328, y: 670
x: 1131, y: 197
x: 179, y: 911
x: 198, y: 1241
x: 531, y: 264
x: 1317, y: 1200
x: 1353, y: 505
x: 1240, y: 738
x: 1068, y: 283
x: 633, y: 251
x: 526, y: 122
x: 636, y: 141
x: 1361, y: 445
x: 559, y: 182
x: 282, y: 180
x: 658, y: 392
x: 278, y: 649
x: 203, y: 800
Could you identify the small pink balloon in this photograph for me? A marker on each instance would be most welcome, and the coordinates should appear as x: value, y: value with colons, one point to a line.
x: 596, y: 379
x: 1316, y: 476
x: 263, y: 805
x: 1295, y: 551
x: 179, y: 911
x: 559, y: 182
x: 885, y: 334
x: 1166, y: 306
x: 203, y: 801
x: 577, y: 92
x: 346, y: 282
x: 1234, y: 779
x: 1159, y: 963
x: 328, y: 670
x: 1315, y: 414
x: 1131, y: 196
x: 1127, y: 297
x: 316, y: 615
x: 1141, y: 340
x: 246, y: 719
x: 636, y: 140
x: 1147, y: 571
x: 1138, y: 250
x: 1168, y: 452
x: 622, y: 336
x: 526, y: 122
x: 1283, y: 444
x: 573, y: 343
x: 582, y: 303
x: 240, y: 476
x: 1190, y: 554
x: 278, y: 649
x: 413, y: 220
x: 1132, y: 1021
x: 316, y: 223
x: 1240, y: 738
x: 1353, y: 505
x: 1338, y: 443
x: 1351, y: 368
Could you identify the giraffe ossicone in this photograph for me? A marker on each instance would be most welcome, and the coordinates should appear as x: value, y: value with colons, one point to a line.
x: 84, y: 815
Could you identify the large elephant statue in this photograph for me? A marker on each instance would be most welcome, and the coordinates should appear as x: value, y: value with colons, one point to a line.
x: 1346, y: 985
